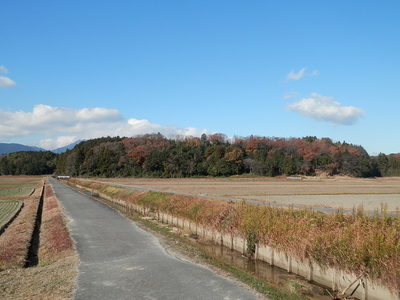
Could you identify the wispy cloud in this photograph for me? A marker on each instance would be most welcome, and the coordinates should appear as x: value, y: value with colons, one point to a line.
x: 293, y: 76
x: 5, y: 82
x: 3, y: 69
x: 58, y: 126
x: 323, y: 108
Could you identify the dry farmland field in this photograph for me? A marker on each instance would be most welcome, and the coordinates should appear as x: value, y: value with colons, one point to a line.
x: 13, y: 190
x: 17, y: 187
x: 335, y: 192
x: 52, y: 274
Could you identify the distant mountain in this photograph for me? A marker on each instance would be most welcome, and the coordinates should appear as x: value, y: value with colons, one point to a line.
x: 6, y: 148
x: 11, y: 148
x: 68, y: 147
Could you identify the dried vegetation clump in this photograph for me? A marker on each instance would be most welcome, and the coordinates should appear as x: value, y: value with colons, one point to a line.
x: 55, y: 240
x: 357, y: 242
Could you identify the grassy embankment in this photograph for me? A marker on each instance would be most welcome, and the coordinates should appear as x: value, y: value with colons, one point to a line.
x: 53, y: 276
x: 355, y: 242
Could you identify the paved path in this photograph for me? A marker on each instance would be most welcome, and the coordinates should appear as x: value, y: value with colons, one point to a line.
x: 121, y: 261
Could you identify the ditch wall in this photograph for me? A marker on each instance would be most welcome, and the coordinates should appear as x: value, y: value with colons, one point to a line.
x: 335, y: 279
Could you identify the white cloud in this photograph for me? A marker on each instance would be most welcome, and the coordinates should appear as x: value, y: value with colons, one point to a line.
x: 61, y: 141
x: 3, y: 69
x: 323, y: 108
x: 6, y: 82
x: 60, y: 126
x: 47, y: 120
x: 300, y: 74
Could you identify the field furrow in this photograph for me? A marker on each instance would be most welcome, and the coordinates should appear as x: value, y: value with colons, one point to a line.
x: 7, y: 210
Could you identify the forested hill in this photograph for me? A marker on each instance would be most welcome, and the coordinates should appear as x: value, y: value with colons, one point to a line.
x: 154, y: 155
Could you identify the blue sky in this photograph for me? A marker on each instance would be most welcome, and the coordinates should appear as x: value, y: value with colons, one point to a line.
x: 86, y: 69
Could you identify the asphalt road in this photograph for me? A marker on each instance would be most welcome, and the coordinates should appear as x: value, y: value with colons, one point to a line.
x: 120, y: 261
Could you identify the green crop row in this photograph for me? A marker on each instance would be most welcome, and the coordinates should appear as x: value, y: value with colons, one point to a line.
x: 7, y: 209
x: 15, y: 192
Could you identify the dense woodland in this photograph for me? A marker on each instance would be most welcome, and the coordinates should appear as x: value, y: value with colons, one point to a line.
x: 154, y: 155
x: 28, y: 163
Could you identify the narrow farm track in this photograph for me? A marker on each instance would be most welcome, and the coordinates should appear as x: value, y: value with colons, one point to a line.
x: 121, y: 261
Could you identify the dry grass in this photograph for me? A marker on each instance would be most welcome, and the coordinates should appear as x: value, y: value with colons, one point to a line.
x: 54, y: 276
x: 42, y: 282
x: 55, y: 241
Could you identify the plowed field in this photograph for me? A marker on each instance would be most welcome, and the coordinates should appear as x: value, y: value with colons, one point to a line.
x: 334, y: 192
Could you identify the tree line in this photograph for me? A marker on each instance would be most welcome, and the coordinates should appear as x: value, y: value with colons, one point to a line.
x: 28, y: 163
x: 153, y: 155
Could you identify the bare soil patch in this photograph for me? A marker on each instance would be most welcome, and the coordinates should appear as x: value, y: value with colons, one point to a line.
x: 339, y: 192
